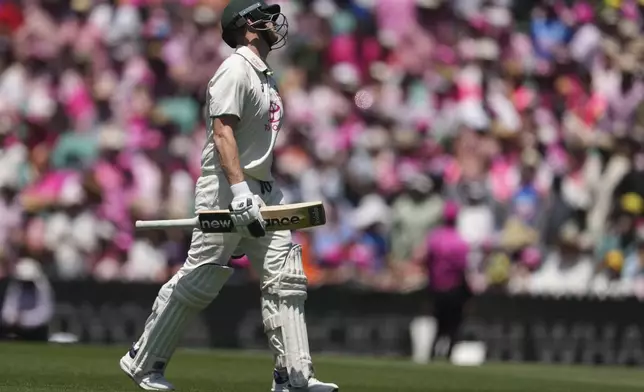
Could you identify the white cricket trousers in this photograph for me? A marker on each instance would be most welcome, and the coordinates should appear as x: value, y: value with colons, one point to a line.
x: 268, y: 256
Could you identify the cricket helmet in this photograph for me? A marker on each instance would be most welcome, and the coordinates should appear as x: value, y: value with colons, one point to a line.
x: 256, y: 14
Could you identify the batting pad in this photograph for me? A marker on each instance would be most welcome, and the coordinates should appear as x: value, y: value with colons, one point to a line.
x: 178, y: 302
x: 284, y: 322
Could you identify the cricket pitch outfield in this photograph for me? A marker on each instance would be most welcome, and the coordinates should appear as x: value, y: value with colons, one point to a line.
x: 57, y: 368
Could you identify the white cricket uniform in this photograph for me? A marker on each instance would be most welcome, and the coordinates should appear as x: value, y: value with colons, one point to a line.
x: 242, y: 87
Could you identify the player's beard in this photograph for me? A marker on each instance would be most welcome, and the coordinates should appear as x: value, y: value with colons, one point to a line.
x: 270, y: 36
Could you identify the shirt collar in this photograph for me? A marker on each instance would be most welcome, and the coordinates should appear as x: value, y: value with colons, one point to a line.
x: 253, y: 59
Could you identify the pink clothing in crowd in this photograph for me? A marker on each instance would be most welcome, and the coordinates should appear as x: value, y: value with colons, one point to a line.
x: 115, y: 197
x: 396, y: 16
x: 503, y: 179
x: 343, y: 49
x: 50, y: 185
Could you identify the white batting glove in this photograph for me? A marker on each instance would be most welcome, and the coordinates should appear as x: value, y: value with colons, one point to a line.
x: 244, y: 212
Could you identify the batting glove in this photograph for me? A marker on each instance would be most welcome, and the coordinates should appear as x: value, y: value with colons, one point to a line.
x: 244, y: 212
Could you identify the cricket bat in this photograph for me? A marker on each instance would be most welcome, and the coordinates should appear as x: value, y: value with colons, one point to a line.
x: 282, y: 217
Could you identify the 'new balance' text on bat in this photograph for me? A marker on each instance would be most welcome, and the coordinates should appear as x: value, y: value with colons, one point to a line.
x: 282, y: 217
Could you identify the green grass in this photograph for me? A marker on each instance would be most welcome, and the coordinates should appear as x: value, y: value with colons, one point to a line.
x: 54, y: 368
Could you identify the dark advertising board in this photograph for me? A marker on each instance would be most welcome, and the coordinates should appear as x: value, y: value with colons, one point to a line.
x: 341, y: 320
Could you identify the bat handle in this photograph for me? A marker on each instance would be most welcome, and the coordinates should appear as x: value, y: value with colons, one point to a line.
x: 190, y: 223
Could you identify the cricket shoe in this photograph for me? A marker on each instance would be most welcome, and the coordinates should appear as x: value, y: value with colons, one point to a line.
x: 281, y: 384
x: 151, y: 381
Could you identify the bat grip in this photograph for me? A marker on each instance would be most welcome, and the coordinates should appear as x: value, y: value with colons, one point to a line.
x: 189, y: 223
x: 256, y: 229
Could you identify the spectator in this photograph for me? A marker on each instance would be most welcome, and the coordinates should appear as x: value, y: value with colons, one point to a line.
x: 415, y: 212
x: 549, y: 32
x: 522, y: 272
x: 369, y: 247
x: 526, y: 201
x: 476, y: 221
x: 568, y: 268
x: 621, y: 234
x: 634, y: 263
x: 331, y: 245
x: 28, y: 304
x: 606, y: 280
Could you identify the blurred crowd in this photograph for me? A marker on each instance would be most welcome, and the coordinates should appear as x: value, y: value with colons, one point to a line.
x: 528, y: 114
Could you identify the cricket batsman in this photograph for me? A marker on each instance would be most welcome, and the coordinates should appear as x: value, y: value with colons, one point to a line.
x: 245, y: 113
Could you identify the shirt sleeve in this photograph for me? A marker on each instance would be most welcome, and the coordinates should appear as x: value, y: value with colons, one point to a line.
x: 227, y: 91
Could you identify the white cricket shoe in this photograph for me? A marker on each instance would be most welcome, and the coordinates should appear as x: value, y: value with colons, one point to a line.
x: 315, y: 385
x: 149, y: 382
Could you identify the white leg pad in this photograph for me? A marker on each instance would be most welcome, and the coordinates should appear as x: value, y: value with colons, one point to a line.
x: 284, y: 322
x: 179, y: 300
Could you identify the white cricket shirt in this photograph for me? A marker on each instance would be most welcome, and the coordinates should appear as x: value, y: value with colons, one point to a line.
x: 243, y: 87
